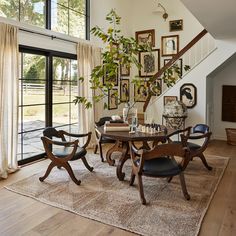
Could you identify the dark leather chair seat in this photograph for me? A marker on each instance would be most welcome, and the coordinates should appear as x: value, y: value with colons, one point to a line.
x: 192, y: 146
x: 65, y: 151
x: 161, y: 167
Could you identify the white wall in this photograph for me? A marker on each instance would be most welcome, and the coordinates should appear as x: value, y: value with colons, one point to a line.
x: 224, y: 76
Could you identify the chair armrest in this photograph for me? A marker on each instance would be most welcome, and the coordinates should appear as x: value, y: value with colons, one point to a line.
x: 200, y: 136
x: 74, y: 135
x: 186, y: 130
x: 78, y: 136
x: 60, y: 143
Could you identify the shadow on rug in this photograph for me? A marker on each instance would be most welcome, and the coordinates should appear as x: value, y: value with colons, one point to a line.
x: 103, y: 198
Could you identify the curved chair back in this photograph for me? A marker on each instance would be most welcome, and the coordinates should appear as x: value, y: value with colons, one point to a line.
x: 201, y: 128
x: 52, y: 132
x: 103, y: 120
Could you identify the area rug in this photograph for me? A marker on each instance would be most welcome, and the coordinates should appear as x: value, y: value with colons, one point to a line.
x: 103, y: 198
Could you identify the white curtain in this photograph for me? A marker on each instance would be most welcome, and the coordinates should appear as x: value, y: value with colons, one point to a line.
x: 88, y: 57
x: 8, y: 99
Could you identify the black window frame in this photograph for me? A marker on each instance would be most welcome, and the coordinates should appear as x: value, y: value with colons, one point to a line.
x: 48, y: 17
x: 49, y: 54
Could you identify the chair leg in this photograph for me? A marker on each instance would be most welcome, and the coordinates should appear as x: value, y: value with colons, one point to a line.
x: 132, y: 178
x: 96, y: 149
x: 67, y: 166
x: 205, y: 162
x: 183, y: 185
x: 169, y: 179
x: 100, y: 150
x: 51, y: 165
x: 140, y: 186
x: 90, y: 168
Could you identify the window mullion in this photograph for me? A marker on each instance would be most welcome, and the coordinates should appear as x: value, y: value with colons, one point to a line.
x: 48, y: 14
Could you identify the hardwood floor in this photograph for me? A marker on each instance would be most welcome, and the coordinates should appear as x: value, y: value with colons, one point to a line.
x: 21, y: 215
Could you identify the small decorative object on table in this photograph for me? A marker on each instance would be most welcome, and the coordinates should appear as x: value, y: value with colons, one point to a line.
x: 129, y: 111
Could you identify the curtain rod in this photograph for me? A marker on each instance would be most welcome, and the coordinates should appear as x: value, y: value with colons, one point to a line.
x: 50, y: 36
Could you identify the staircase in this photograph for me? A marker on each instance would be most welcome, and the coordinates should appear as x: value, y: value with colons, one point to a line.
x: 218, y: 53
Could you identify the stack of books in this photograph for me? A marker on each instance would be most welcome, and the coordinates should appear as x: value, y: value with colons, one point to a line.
x: 116, y: 127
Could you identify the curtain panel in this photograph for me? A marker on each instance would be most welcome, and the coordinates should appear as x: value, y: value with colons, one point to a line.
x: 8, y: 99
x: 88, y: 57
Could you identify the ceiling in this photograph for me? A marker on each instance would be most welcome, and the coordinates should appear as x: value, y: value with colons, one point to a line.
x: 217, y: 16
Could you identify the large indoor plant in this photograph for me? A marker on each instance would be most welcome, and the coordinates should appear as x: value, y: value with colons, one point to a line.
x: 119, y: 50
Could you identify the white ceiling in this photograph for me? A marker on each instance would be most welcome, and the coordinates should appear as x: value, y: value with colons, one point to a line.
x: 217, y: 16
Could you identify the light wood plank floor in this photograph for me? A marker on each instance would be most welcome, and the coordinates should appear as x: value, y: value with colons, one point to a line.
x: 20, y: 215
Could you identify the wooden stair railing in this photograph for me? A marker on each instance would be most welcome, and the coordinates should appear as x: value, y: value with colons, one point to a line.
x: 174, y: 59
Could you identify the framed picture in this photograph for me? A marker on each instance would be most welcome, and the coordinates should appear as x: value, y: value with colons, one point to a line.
x: 170, y: 45
x: 113, y: 79
x: 188, y: 95
x: 141, y: 92
x: 176, y: 25
x: 124, y: 70
x: 112, y: 99
x: 156, y: 89
x: 150, y: 62
x: 124, y: 90
x: 145, y: 36
x: 167, y: 99
x: 179, y: 63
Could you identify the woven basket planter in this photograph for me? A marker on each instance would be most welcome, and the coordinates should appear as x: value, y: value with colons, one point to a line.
x: 231, y: 136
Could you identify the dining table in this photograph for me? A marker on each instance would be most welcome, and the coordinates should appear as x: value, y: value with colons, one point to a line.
x: 122, y: 139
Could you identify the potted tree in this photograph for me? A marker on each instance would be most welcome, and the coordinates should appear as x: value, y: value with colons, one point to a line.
x: 120, y: 51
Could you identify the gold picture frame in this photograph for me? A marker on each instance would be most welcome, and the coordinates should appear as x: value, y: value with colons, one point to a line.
x: 145, y: 36
x: 150, y: 62
x: 169, y: 45
x: 141, y: 92
x: 124, y: 90
x: 112, y: 99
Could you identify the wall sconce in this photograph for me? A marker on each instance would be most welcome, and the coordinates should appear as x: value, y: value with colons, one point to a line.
x: 161, y: 8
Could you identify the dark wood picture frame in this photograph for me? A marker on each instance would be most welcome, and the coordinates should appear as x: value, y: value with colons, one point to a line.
x: 150, y: 62
x: 179, y: 63
x: 112, y: 100
x: 176, y: 25
x: 167, y: 99
x: 188, y: 95
x: 145, y: 36
x: 169, y: 45
x: 124, y: 70
x: 124, y: 90
x: 115, y: 78
x: 141, y: 93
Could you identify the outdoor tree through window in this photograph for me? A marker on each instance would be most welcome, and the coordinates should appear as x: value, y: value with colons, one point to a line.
x: 66, y: 16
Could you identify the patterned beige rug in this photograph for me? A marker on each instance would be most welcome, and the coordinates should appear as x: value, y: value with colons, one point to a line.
x: 103, y: 198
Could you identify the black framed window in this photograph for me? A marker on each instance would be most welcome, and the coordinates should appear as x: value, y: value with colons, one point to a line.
x: 47, y: 86
x: 64, y: 16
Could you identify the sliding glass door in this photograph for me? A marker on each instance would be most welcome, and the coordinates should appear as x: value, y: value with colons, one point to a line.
x: 47, y: 86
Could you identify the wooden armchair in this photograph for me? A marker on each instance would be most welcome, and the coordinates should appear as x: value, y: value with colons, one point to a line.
x: 67, y: 151
x: 101, y: 140
x: 200, y: 132
x: 159, y: 162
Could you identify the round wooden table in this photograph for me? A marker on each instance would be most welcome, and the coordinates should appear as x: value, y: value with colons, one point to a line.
x: 122, y: 144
